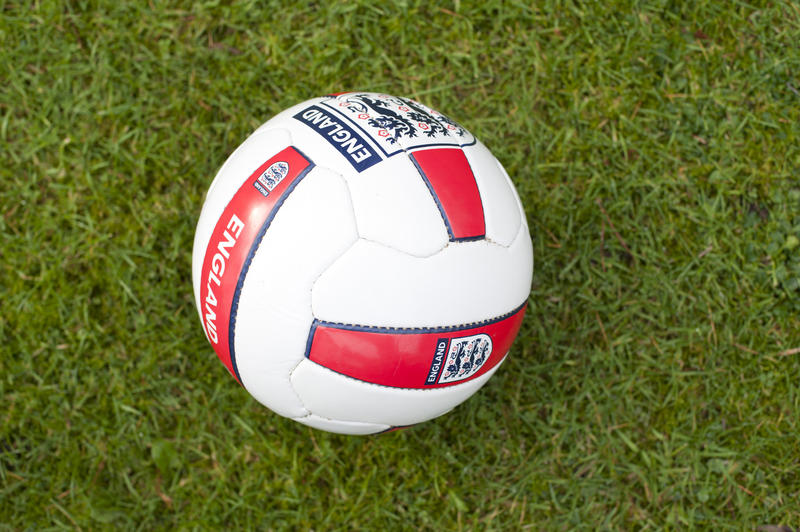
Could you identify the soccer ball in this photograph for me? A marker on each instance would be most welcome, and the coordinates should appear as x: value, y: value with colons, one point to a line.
x: 361, y: 263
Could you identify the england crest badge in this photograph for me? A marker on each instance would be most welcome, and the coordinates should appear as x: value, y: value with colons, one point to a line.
x: 457, y: 359
x: 270, y: 178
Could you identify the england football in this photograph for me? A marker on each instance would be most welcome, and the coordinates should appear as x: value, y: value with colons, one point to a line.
x: 361, y: 263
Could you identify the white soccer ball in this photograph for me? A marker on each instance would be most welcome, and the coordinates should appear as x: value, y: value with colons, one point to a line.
x: 361, y: 263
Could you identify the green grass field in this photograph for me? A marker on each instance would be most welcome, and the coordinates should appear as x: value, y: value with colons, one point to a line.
x: 654, y: 385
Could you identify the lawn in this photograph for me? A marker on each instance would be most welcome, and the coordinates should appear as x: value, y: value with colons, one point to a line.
x: 654, y: 384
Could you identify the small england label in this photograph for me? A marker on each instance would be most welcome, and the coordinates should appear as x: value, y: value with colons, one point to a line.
x: 271, y: 177
x: 457, y: 359
x: 438, y: 360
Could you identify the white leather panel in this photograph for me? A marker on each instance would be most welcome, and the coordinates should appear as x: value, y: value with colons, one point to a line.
x: 313, y: 227
x: 394, y: 207
x: 335, y: 396
x: 500, y: 206
x: 466, y: 282
x: 341, y: 427
x: 251, y: 154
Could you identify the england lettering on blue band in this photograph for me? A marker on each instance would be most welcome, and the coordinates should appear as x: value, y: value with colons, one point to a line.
x: 438, y: 360
x: 341, y: 136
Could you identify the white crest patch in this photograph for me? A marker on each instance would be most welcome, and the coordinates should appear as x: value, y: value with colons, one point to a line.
x: 395, y: 124
x: 465, y: 356
x: 271, y: 177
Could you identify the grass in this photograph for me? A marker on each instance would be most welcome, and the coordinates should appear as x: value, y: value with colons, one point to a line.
x: 654, y: 385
